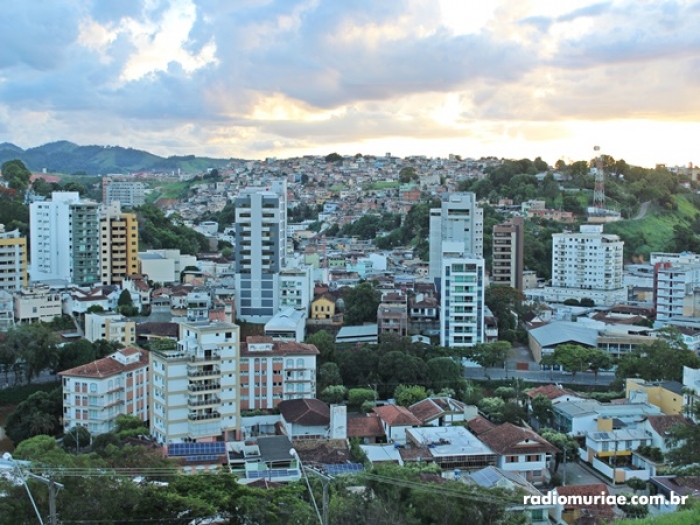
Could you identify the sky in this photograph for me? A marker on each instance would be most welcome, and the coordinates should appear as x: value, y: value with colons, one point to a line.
x: 263, y: 78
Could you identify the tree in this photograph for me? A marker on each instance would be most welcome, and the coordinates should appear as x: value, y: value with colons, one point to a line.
x: 39, y: 414
x: 16, y: 174
x: 490, y: 354
x: 361, y: 303
x: 329, y: 375
x: 505, y: 392
x: 542, y: 409
x: 124, y: 298
x: 567, y: 445
x: 444, y: 373
x: 76, y: 438
x: 661, y: 360
x: 333, y: 157
x: 598, y: 360
x: 34, y: 347
x: 407, y: 175
x: 325, y: 343
x: 357, y: 396
x: 572, y: 357
x: 334, y: 394
x: 407, y: 395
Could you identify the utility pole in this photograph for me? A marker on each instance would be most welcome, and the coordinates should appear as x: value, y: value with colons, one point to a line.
x: 325, y: 482
x: 563, y: 477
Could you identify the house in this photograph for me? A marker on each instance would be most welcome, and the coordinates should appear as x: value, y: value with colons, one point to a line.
x: 305, y: 418
x: 667, y: 395
x: 36, y: 303
x: 659, y: 426
x: 287, y: 325
x: 323, y: 306
x: 610, y: 451
x: 493, y: 477
x: 442, y: 411
x: 520, y: 450
x: 392, y: 314
x: 111, y: 327
x: 269, y: 457
x: 395, y: 421
x: 555, y: 393
x: 668, y: 486
x: 452, y: 447
x: 367, y: 428
x: 572, y: 512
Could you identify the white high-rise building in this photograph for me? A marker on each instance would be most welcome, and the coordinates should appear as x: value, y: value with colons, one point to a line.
x: 459, y: 219
x: 65, y: 239
x: 461, y: 300
x: 457, y: 267
x: 587, y: 264
x: 674, y: 290
x: 194, y: 386
x: 261, y: 234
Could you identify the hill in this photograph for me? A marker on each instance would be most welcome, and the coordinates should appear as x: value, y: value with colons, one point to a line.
x: 67, y: 157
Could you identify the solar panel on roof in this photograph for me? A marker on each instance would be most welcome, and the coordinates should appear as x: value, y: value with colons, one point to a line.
x: 196, y: 449
x: 485, y: 477
x: 342, y: 468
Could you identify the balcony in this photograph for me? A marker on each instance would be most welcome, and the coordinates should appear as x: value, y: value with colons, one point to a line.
x: 204, y: 387
x: 209, y: 357
x: 203, y: 416
x: 203, y: 402
x: 199, y: 372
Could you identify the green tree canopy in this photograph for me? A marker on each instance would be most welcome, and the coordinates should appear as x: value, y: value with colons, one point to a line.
x: 361, y: 303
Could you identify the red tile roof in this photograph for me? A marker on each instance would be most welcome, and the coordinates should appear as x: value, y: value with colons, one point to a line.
x: 396, y: 416
x: 508, y: 439
x: 550, y: 391
x: 278, y: 347
x: 369, y: 426
x: 311, y: 412
x: 602, y: 511
x: 479, y: 425
x: 108, y: 366
x: 663, y: 423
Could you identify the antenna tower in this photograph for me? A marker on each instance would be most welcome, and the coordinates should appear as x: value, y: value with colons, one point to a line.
x: 599, y: 189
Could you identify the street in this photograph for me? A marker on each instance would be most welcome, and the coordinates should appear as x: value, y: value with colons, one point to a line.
x: 540, y: 376
x: 7, y: 380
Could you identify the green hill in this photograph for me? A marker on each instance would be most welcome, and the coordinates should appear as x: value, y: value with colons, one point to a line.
x: 67, y: 157
x: 655, y: 232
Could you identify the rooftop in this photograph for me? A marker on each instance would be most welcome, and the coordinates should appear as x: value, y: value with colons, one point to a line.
x: 448, y: 441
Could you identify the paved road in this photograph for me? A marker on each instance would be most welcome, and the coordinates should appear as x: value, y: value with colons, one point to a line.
x: 9, y: 379
x: 541, y: 376
x: 642, y: 210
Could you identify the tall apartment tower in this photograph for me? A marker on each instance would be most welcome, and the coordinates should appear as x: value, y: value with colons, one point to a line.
x: 128, y: 193
x: 507, y: 260
x: 457, y: 267
x: 119, y: 241
x: 587, y: 264
x: 195, y: 387
x: 65, y: 239
x: 459, y: 219
x: 13, y: 260
x: 261, y: 234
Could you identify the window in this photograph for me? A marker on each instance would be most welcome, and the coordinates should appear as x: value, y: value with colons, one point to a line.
x: 93, y: 387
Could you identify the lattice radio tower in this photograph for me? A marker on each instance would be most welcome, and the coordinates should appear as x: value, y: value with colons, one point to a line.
x: 599, y: 189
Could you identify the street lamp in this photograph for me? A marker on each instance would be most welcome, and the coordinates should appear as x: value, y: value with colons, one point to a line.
x: 295, y: 454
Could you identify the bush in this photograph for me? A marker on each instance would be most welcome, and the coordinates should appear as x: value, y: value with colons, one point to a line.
x: 357, y: 396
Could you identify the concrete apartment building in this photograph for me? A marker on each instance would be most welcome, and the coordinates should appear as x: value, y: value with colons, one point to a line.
x: 96, y: 393
x: 195, y: 387
x: 65, y: 239
x: 459, y: 219
x: 13, y: 260
x: 119, y: 242
x: 261, y: 233
x: 127, y: 193
x: 296, y: 287
x: 587, y: 264
x: 508, y: 250
x: 675, y: 290
x: 111, y: 327
x: 37, y: 303
x: 392, y: 314
x: 457, y: 268
x: 273, y: 371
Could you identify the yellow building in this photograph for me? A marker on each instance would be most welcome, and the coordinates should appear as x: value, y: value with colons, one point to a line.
x: 667, y: 395
x: 13, y: 260
x: 323, y: 307
x: 119, y: 245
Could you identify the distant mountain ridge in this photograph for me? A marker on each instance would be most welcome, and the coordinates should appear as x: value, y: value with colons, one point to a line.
x: 66, y: 157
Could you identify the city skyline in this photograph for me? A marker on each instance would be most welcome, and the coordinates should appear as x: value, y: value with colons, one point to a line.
x: 254, y: 80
